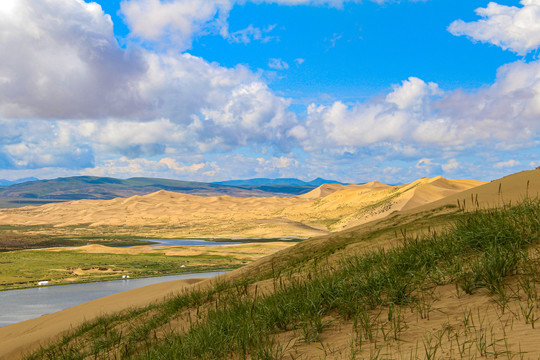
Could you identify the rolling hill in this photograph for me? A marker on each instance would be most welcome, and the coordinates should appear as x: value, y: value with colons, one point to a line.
x: 4, y: 182
x: 90, y: 187
x: 281, y: 181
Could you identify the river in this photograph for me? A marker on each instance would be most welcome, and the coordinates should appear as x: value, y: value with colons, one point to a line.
x: 25, y: 304
x: 188, y: 242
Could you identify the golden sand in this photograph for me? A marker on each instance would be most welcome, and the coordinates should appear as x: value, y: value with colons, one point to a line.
x: 328, y: 208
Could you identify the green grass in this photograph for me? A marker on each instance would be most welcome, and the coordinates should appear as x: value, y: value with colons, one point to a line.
x: 479, y: 251
x: 24, y: 268
x: 19, y: 238
x: 16, y: 237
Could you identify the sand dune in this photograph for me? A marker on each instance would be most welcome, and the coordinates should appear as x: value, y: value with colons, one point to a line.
x: 363, y: 203
x: 509, y: 189
x: 330, y: 207
x: 325, y: 190
x: 438, y: 188
x: 249, y: 250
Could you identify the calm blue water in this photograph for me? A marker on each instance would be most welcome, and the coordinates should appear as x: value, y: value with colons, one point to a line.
x: 25, y: 304
x: 187, y: 242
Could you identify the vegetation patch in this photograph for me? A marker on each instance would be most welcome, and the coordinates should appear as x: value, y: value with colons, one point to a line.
x: 25, y: 268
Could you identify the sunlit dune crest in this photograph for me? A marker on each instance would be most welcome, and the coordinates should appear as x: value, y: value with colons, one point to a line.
x: 328, y: 208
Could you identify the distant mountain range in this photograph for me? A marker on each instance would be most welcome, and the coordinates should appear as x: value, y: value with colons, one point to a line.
x: 281, y: 181
x: 93, y: 188
x: 4, y: 182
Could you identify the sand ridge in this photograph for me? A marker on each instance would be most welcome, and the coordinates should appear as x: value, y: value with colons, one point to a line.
x: 508, y: 190
x: 243, y: 251
x: 326, y: 189
x: 330, y: 207
x: 364, y: 203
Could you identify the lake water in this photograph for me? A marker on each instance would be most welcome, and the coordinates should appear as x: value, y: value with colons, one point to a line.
x: 187, y: 242
x: 25, y: 304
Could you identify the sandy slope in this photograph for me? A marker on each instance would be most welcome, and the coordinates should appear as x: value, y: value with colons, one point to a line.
x: 363, y: 203
x: 28, y: 335
x: 446, y: 329
x: 509, y: 189
x: 330, y: 207
x: 326, y: 189
x: 239, y: 251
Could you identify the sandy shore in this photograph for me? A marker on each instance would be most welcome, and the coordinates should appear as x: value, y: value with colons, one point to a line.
x: 20, y: 338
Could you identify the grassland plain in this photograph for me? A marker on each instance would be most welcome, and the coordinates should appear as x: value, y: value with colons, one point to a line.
x: 470, y: 291
x: 20, y: 237
x: 61, y: 265
x: 25, y: 268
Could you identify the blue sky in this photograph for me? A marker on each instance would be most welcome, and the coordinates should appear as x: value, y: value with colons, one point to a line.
x: 220, y: 89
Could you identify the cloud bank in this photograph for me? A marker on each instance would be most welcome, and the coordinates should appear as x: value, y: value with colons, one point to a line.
x: 179, y: 21
x: 72, y: 98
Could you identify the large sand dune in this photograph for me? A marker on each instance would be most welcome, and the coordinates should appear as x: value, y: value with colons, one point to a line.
x: 359, y: 204
x: 504, y: 191
x: 330, y: 207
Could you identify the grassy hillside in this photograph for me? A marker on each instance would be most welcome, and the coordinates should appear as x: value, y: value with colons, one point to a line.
x: 440, y: 283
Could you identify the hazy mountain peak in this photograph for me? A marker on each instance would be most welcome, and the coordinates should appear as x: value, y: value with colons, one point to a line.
x: 4, y: 182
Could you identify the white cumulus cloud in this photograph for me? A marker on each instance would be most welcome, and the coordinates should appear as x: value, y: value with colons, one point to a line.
x: 60, y: 60
x: 178, y: 20
x: 72, y: 98
x: 451, y: 165
x: 281, y: 162
x: 252, y: 33
x: 420, y: 114
x: 394, y: 118
x: 30, y: 144
x: 509, y: 27
x: 411, y: 92
x: 164, y: 167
